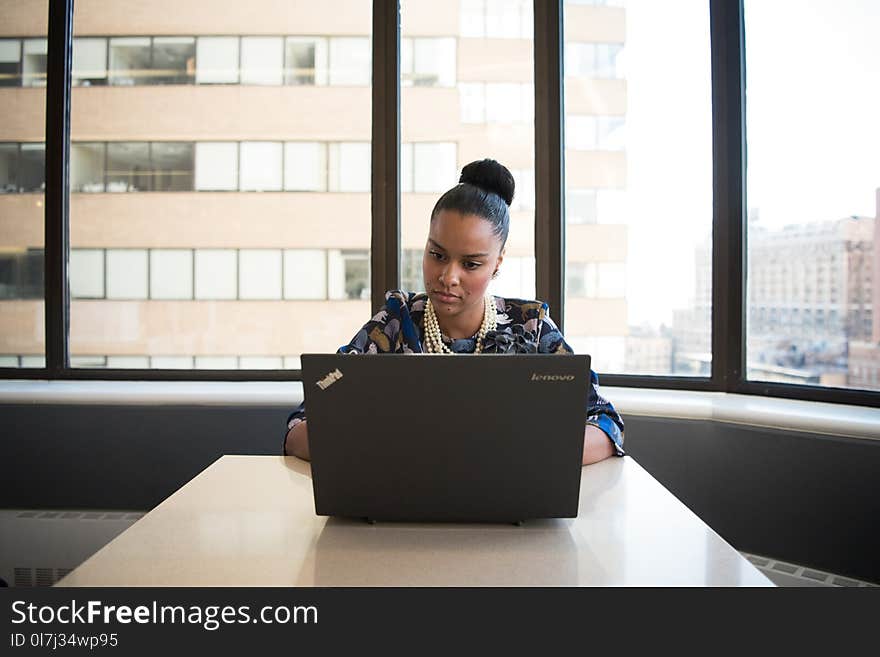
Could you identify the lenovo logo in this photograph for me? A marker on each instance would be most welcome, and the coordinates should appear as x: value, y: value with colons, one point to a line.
x: 330, y: 379
x: 552, y: 377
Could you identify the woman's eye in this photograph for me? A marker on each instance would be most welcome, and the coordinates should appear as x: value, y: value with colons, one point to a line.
x: 436, y: 255
x: 471, y: 265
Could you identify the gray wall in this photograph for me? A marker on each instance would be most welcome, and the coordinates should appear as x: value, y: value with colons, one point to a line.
x: 804, y: 498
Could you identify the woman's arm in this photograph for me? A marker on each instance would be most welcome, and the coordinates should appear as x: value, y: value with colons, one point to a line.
x: 297, y: 443
x: 597, y: 446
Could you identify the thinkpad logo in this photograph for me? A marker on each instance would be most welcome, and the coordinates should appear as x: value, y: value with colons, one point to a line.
x: 330, y: 379
x: 552, y: 377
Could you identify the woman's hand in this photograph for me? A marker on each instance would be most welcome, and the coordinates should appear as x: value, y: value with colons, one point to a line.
x: 297, y: 443
x: 597, y: 445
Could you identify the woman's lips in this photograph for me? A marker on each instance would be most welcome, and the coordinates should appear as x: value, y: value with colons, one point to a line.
x: 447, y: 298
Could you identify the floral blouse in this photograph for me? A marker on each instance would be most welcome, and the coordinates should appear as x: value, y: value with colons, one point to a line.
x: 522, y: 327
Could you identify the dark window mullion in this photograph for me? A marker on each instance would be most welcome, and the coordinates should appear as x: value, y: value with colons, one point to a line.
x: 728, y: 186
x: 385, y: 184
x: 57, y: 208
x: 549, y: 158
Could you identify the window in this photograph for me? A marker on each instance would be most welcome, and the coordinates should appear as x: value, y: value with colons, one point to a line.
x: 429, y: 167
x: 348, y: 274
x: 86, y: 273
x: 305, y: 274
x: 350, y: 61
x: 349, y: 167
x: 34, y: 62
x: 830, y: 338
x: 217, y: 60
x: 87, y: 167
x: 10, y: 62
x: 174, y: 60
x: 32, y: 168
x: 260, y: 166
x: 127, y: 274
x: 262, y: 59
x: 130, y: 61
x: 216, y: 274
x: 638, y: 198
x: 305, y: 167
x: 171, y: 274
x: 171, y: 165
x: 21, y: 274
x: 89, y: 62
x: 259, y: 274
x: 8, y: 168
x: 305, y: 61
x: 428, y: 62
x: 216, y: 166
x: 128, y: 167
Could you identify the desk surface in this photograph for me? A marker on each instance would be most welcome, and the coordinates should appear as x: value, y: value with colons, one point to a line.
x: 250, y: 521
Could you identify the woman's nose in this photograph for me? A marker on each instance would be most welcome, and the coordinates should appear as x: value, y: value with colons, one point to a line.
x: 449, y: 275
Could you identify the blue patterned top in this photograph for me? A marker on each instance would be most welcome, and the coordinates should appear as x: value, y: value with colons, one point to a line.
x: 522, y: 327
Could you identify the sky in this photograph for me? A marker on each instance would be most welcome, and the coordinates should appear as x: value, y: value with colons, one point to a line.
x: 813, y: 138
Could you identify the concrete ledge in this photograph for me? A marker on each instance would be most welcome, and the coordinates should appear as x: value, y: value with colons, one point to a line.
x: 794, y: 415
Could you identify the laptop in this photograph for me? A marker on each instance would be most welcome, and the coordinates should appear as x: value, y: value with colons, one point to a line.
x: 493, y: 438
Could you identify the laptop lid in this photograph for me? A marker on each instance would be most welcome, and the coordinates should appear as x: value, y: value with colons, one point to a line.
x: 493, y: 438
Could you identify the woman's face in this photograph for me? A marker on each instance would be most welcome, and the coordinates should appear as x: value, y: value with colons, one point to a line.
x: 461, y: 255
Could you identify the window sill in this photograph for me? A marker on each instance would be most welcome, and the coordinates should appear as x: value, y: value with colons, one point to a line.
x: 792, y: 415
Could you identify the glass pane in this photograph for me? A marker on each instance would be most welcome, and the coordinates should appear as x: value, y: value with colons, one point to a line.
x: 89, y: 62
x: 130, y: 61
x: 217, y: 60
x: 638, y: 188
x: 241, y: 157
x: 468, y: 94
x: 813, y: 278
x: 22, y: 182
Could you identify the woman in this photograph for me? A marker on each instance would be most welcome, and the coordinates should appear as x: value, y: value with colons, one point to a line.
x: 465, y: 248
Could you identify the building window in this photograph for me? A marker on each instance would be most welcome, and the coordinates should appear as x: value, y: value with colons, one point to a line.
x: 427, y: 62
x: 305, y: 274
x: 34, y: 62
x: 86, y: 272
x: 130, y: 61
x: 594, y: 60
x: 305, y: 61
x: 217, y: 60
x: 127, y: 276
x: 349, y: 167
x: 216, y: 166
x: 348, y: 274
x: 128, y: 167
x: 350, y: 61
x: 216, y: 274
x: 21, y: 274
x: 8, y: 168
x: 428, y: 167
x: 305, y: 166
x: 10, y: 62
x: 260, y: 163
x: 172, y: 166
x: 171, y: 274
x: 262, y: 60
x: 89, y: 62
x: 174, y: 60
x: 259, y: 274
x: 32, y: 168
x: 87, y: 167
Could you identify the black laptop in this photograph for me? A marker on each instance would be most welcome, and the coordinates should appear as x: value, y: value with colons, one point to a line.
x: 489, y: 438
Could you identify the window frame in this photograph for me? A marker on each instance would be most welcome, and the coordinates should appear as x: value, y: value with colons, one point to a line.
x: 729, y: 226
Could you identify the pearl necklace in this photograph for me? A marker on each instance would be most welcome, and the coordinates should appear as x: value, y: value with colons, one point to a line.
x: 433, y: 338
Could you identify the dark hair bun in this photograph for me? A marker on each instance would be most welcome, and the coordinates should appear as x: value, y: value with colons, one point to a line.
x: 491, y: 176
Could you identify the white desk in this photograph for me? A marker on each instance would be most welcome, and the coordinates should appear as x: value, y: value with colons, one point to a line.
x: 250, y: 521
